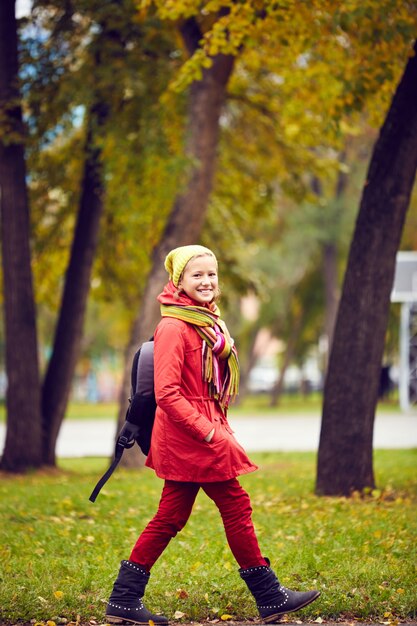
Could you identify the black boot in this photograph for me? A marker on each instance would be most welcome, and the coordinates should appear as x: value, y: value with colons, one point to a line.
x: 272, y: 599
x: 125, y: 603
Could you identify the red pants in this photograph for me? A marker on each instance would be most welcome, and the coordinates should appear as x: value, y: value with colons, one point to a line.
x: 175, y: 508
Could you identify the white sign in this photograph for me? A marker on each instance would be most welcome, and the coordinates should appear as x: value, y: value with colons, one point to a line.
x: 405, y: 280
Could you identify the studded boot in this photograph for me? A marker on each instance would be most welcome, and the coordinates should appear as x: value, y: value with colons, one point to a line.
x: 272, y: 599
x: 125, y: 603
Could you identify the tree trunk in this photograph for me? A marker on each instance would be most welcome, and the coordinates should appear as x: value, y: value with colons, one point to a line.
x: 68, y: 335
x: 249, y: 364
x: 185, y: 223
x: 351, y: 390
x: 288, y: 356
x: 23, y: 440
x: 329, y: 260
x: 108, y: 47
x: 329, y: 263
x: 329, y: 254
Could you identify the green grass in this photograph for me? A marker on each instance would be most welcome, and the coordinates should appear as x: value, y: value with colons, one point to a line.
x: 290, y: 404
x: 59, y: 553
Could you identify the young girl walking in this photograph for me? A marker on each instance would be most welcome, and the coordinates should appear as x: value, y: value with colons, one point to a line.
x: 193, y: 447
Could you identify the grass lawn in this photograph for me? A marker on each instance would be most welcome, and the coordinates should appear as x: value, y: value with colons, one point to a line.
x: 59, y: 553
x: 290, y: 404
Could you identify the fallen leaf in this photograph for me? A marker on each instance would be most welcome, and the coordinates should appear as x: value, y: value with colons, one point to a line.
x: 226, y: 617
x: 58, y: 594
x: 181, y: 593
x: 178, y: 614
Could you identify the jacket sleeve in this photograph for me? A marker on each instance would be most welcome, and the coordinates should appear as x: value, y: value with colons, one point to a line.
x: 169, y: 354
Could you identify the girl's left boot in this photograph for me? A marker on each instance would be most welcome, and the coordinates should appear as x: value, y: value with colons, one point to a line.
x: 125, y: 603
x: 272, y: 599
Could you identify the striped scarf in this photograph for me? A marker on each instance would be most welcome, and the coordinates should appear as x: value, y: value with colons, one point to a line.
x: 217, y: 344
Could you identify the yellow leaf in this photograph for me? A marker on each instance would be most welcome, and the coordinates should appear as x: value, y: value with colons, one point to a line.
x: 319, y: 620
x: 178, y: 614
x: 58, y: 594
x: 50, y: 623
x: 291, y: 130
x: 151, y: 622
x: 225, y: 617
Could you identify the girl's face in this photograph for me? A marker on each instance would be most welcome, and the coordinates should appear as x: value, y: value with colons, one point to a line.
x: 199, y: 279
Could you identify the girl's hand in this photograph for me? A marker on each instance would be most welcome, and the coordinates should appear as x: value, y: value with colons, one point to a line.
x: 209, y: 437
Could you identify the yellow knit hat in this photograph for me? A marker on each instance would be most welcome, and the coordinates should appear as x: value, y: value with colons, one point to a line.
x: 177, y: 259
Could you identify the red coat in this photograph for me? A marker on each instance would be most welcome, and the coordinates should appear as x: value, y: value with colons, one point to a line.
x: 186, y: 413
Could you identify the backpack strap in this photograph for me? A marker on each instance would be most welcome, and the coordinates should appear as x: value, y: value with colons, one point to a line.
x: 126, y: 439
x: 140, y: 413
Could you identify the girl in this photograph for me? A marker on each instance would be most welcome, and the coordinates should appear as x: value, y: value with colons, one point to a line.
x: 193, y: 447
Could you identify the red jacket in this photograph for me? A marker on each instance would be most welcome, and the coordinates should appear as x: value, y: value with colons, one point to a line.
x: 186, y: 413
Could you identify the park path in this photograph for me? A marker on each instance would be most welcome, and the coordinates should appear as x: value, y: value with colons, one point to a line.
x: 95, y: 437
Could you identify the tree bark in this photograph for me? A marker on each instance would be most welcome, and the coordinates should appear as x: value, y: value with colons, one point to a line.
x: 329, y: 264
x: 185, y: 223
x: 109, y: 45
x: 69, y: 330
x: 288, y: 357
x: 23, y: 438
x: 329, y: 253
x: 329, y: 260
x: 248, y: 365
x: 345, y: 451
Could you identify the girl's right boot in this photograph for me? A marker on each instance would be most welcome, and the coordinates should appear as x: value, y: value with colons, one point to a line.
x: 273, y: 599
x: 125, y: 603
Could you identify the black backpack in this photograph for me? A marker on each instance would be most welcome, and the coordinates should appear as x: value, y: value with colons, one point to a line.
x: 140, y: 414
